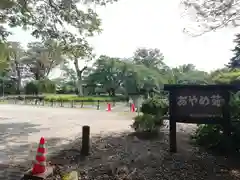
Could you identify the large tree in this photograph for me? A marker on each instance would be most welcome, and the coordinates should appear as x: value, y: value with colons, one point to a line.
x: 16, y: 53
x: 79, y: 51
x: 151, y: 58
x: 41, y: 58
x: 107, y: 71
x: 235, y: 60
x: 211, y: 15
x: 4, y: 56
x: 50, y: 18
x: 123, y: 75
x: 186, y: 74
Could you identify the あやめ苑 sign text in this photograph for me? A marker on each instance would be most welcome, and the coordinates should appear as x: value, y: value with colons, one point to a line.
x: 214, y: 100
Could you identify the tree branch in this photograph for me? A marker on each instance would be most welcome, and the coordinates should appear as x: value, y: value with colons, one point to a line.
x: 213, y: 14
x: 83, y: 69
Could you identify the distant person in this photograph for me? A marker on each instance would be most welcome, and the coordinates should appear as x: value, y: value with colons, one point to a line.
x: 130, y: 101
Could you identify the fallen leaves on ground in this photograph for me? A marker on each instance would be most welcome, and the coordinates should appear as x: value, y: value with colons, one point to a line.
x: 125, y: 157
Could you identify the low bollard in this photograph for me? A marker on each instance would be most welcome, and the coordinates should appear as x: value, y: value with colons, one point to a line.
x: 85, y: 140
x: 98, y: 105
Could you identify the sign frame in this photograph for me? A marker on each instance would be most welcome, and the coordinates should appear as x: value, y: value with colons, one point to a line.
x: 174, y: 118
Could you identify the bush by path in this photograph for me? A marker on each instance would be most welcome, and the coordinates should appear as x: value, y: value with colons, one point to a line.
x: 67, y: 98
x: 75, y: 98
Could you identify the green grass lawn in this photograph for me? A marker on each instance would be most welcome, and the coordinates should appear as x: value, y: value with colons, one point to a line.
x: 72, y: 97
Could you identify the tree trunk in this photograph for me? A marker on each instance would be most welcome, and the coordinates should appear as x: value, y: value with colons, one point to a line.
x: 79, y: 77
x: 19, y: 85
x: 79, y: 84
x: 19, y: 78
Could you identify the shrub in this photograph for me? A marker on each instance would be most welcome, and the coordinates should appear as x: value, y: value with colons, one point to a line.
x: 153, y: 110
x: 66, y: 89
x: 145, y: 122
x: 155, y: 106
x: 212, y: 137
x: 41, y: 86
x: 31, y: 88
x: 46, y: 86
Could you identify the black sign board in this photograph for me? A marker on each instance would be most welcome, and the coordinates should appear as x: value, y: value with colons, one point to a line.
x: 200, y: 104
x: 192, y: 104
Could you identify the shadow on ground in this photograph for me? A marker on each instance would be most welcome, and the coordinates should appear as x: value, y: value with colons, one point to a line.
x: 123, y: 156
x: 16, y: 153
x: 116, y: 156
x: 14, y: 170
x: 14, y: 139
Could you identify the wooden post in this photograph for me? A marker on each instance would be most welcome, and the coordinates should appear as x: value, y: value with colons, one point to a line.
x: 82, y: 104
x: 72, y: 104
x: 173, y: 136
x: 172, y: 125
x: 98, y: 105
x: 61, y: 103
x: 85, y: 140
x: 226, y: 121
x: 52, y: 103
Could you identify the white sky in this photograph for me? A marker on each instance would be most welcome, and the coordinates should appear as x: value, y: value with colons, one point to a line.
x: 130, y: 24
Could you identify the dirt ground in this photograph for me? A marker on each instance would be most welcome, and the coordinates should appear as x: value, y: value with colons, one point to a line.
x: 115, y: 153
x: 121, y: 156
x: 22, y: 126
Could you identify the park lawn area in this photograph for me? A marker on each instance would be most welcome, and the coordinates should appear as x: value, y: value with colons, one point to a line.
x: 90, y: 99
x: 69, y: 99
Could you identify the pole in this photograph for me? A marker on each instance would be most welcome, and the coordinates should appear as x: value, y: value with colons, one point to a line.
x: 85, y: 140
x: 3, y: 88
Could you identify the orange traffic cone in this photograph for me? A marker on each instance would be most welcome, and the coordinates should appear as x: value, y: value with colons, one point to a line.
x: 40, y: 169
x: 39, y: 166
x: 133, y: 108
x: 109, y: 107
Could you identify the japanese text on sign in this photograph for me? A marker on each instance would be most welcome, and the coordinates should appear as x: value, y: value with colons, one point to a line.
x: 214, y: 100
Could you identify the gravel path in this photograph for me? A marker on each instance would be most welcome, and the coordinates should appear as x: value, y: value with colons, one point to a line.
x: 22, y: 126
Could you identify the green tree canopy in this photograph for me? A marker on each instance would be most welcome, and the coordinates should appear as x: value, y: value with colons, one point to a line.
x: 151, y: 58
x: 41, y: 58
x: 115, y: 74
x: 211, y: 15
x: 235, y: 60
x: 49, y: 19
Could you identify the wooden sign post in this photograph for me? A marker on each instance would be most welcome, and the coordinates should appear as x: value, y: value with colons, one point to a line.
x: 198, y: 104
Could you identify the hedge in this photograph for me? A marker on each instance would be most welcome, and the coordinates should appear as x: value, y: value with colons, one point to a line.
x: 67, y: 98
